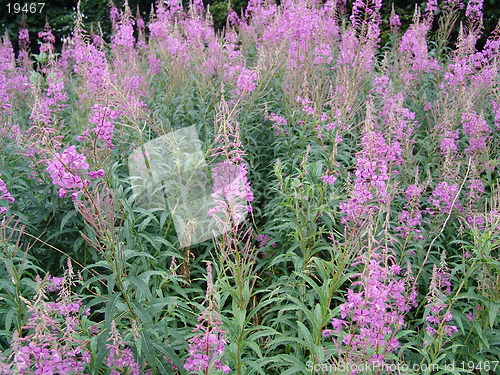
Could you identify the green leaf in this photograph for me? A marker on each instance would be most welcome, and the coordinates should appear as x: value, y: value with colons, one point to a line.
x: 66, y: 218
x: 142, y: 286
x: 109, y: 315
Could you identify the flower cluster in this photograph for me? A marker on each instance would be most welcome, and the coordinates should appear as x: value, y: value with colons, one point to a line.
x: 66, y: 170
x: 375, y: 313
x: 413, y: 49
x: 328, y: 179
x: 103, y: 119
x: 50, y: 343
x: 207, y: 348
x: 474, y: 11
x: 443, y: 196
x: 54, y: 283
x: 476, y: 128
x: 231, y: 188
x: 91, y: 65
x: 120, y: 358
x: 372, y: 174
x: 278, y: 123
x: 448, y: 144
x: 231, y: 191
x: 439, y: 314
x: 48, y: 39
x: 246, y: 80
x: 4, y: 194
x: 394, y: 21
x: 411, y: 215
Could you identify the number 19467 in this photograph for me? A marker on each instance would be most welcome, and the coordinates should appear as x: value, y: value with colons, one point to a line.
x: 25, y: 8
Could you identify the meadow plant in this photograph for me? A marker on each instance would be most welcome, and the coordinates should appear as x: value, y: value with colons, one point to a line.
x: 206, y: 349
x: 5, y: 195
x: 120, y: 358
x: 49, y: 342
x: 374, y: 312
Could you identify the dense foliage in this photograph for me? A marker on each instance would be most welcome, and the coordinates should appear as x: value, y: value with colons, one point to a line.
x: 352, y: 188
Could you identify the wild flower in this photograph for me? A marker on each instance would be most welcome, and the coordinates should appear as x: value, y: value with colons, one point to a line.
x: 228, y: 139
x: 476, y: 189
x: 364, y: 9
x: 430, y: 9
x: 4, y: 194
x: 496, y: 111
x: 23, y: 37
x: 394, y: 21
x: 67, y: 169
x: 443, y: 196
x: 439, y: 314
x: 410, y: 220
x: 103, y: 118
x: 371, y: 174
x: 264, y: 239
x: 323, y: 54
x: 48, y: 39
x: 349, y: 45
x: 6, y: 65
x: 120, y: 359
x: 411, y: 216
x: 50, y: 343
x: 477, y: 129
x: 231, y: 187
x: 91, y: 66
x: 470, y: 317
x: 123, y: 38
x: 278, y: 122
x: 414, y: 51
x: 206, y: 349
x: 474, y: 11
x: 231, y: 192
x: 328, y: 179
x: 54, y: 283
x: 448, y: 144
x: 375, y: 309
x: 246, y: 80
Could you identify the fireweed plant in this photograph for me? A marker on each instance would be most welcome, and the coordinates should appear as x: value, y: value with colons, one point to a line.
x: 354, y: 189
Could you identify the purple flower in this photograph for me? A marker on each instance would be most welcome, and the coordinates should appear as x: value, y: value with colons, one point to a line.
x: 440, y: 287
x: 246, y: 80
x: 65, y: 170
x: 50, y: 343
x: 394, y: 21
x: 264, y: 239
x: 329, y: 179
x: 207, y: 348
x: 327, y: 333
x: 96, y: 174
x: 56, y: 283
x: 103, y: 118
x: 374, y: 312
x: 4, y: 194
x: 120, y: 358
x: 231, y: 192
x: 477, y: 129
